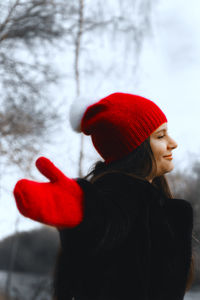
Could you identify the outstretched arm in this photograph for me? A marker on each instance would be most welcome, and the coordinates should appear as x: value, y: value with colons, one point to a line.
x: 58, y: 202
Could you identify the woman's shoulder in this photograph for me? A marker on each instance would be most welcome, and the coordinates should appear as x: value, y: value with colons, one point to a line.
x: 125, y: 183
x: 118, y: 184
x: 119, y: 179
x: 176, y: 203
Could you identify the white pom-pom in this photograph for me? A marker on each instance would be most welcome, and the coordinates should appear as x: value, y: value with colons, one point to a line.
x: 77, y: 110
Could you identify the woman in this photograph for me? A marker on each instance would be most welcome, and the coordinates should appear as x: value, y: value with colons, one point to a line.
x: 128, y: 238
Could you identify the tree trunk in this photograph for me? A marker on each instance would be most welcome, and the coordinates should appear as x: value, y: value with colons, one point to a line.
x: 77, y: 75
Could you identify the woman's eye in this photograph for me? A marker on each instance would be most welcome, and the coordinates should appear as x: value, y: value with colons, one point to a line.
x: 160, y: 137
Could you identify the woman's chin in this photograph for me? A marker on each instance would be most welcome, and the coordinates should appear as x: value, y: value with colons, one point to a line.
x: 165, y: 170
x: 170, y: 169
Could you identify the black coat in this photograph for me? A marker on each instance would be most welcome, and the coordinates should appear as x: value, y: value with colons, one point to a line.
x: 134, y: 243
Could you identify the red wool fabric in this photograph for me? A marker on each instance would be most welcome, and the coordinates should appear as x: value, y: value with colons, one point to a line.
x: 58, y: 202
x: 119, y: 123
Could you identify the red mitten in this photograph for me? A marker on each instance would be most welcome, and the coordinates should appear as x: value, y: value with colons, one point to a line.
x: 58, y: 203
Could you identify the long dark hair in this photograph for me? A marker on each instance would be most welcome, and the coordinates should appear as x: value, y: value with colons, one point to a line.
x: 140, y: 164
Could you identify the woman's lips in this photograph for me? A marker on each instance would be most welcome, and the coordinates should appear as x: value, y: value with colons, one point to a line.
x: 169, y: 157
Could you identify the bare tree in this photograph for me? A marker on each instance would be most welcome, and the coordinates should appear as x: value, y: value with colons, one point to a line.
x: 27, y: 30
x: 77, y: 72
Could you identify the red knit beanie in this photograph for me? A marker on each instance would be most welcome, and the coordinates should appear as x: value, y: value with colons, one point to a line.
x: 119, y: 123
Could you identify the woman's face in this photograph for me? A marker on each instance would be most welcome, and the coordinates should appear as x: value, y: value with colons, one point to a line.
x: 162, y: 145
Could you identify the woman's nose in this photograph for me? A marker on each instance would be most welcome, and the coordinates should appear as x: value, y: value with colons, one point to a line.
x: 173, y: 144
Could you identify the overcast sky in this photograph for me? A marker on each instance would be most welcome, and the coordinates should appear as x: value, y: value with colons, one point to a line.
x: 168, y: 73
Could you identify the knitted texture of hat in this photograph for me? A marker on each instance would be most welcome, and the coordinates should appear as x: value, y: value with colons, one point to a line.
x: 119, y: 123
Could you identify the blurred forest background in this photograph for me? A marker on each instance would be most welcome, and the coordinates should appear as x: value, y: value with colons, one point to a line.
x: 34, y: 34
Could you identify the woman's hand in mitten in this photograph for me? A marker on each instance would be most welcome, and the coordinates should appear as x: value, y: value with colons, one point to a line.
x: 58, y: 203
